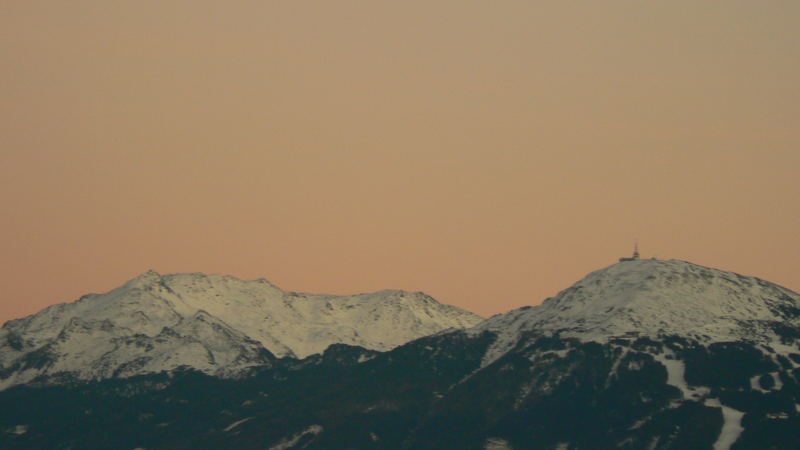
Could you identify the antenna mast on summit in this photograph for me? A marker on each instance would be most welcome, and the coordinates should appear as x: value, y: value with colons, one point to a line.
x: 635, y: 253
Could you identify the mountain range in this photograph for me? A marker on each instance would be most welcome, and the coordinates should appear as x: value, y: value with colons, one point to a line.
x: 643, y: 354
x: 216, y: 324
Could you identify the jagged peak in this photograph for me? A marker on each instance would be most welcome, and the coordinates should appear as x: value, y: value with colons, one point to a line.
x: 145, y: 279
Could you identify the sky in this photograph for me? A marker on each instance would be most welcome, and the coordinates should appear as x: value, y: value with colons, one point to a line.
x: 489, y: 154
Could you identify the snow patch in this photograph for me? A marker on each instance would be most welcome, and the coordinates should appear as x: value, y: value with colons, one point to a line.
x: 495, y: 443
x: 731, y: 427
x: 364, y: 358
x: 776, y: 377
x: 560, y: 353
x: 638, y: 424
x: 615, y: 367
x: 776, y: 380
x: 756, y: 386
x: 785, y: 350
x: 236, y: 424
x: 675, y: 377
x: 292, y: 441
x: 19, y: 430
x: 675, y: 373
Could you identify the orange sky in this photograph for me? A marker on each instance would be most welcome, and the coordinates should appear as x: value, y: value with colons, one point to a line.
x: 487, y: 153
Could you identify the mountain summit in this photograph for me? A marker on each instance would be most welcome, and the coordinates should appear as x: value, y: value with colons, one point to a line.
x: 648, y: 297
x: 213, y: 323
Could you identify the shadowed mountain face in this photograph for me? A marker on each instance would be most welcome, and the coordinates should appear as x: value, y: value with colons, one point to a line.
x: 583, y: 380
x: 216, y: 324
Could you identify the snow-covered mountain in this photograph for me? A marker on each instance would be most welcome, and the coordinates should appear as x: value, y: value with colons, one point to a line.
x: 643, y: 354
x: 650, y: 354
x: 213, y: 323
x: 648, y: 297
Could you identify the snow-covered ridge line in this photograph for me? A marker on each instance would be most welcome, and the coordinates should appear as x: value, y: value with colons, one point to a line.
x: 214, y: 323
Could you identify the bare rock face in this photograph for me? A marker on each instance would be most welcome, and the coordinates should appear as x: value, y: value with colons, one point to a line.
x: 216, y: 324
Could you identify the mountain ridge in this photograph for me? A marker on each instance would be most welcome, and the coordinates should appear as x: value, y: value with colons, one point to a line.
x: 645, y: 354
x: 218, y: 324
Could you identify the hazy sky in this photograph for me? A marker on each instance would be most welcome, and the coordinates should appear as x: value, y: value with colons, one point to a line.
x: 487, y: 153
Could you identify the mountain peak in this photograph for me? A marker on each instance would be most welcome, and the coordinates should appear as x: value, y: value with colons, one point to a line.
x: 650, y: 297
x: 145, y: 279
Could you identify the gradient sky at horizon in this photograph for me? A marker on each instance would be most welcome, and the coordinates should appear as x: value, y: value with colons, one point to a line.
x: 487, y: 153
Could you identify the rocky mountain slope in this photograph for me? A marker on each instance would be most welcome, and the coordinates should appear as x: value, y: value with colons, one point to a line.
x: 216, y: 324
